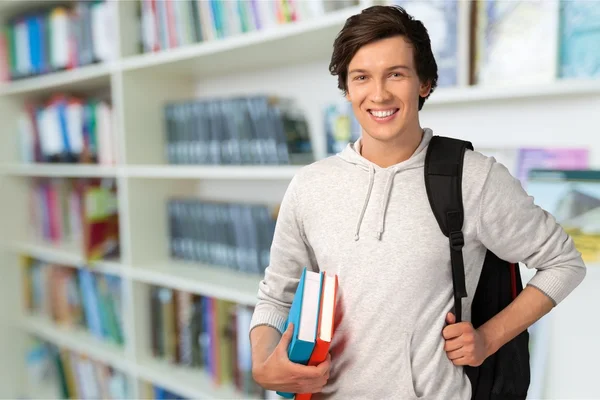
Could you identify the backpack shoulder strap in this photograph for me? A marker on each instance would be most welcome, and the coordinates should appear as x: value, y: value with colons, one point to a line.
x: 443, y: 182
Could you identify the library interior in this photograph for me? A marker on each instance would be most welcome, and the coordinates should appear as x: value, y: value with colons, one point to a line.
x: 132, y: 253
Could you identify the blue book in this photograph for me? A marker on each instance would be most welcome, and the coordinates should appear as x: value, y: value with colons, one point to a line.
x: 304, y: 314
x: 91, y: 306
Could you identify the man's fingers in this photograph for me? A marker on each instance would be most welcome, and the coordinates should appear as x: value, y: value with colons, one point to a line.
x: 450, y: 318
x: 315, y: 386
x: 455, y: 354
x: 452, y: 331
x: 453, y: 344
x: 304, y: 372
x: 310, y: 372
x: 460, y: 361
x: 323, y: 367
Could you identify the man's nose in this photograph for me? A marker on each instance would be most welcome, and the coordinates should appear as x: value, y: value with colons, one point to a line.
x: 381, y: 93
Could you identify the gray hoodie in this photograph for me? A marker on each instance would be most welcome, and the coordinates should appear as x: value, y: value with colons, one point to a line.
x: 374, y: 227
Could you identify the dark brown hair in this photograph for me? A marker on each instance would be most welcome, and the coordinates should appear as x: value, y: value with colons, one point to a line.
x: 381, y: 22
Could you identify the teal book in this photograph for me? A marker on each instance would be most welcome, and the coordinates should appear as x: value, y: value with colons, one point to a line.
x: 304, y: 314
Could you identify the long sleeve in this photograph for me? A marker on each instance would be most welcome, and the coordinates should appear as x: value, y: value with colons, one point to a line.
x: 512, y: 226
x: 290, y: 253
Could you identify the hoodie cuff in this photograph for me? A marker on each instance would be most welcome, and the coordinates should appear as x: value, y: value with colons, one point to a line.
x: 269, y: 318
x: 556, y: 289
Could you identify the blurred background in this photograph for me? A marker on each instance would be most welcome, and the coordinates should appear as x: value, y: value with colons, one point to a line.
x: 146, y: 145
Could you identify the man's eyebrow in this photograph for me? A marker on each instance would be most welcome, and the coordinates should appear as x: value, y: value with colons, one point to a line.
x: 362, y: 71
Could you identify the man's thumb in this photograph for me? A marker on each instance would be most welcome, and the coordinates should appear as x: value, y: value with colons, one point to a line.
x: 286, y: 338
x: 450, y: 318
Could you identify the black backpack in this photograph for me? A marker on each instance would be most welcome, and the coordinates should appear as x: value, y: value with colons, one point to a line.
x: 505, y: 374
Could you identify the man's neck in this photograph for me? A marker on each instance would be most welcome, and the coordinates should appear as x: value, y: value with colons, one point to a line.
x: 386, y: 154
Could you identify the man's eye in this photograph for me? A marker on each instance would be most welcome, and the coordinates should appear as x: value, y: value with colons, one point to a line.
x: 360, y: 78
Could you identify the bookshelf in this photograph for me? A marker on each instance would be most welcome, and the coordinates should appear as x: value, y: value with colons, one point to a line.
x: 138, y: 85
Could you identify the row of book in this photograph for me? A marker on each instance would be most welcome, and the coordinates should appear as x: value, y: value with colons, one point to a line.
x: 205, y: 333
x: 234, y: 236
x: 240, y: 130
x: 167, y: 24
x: 50, y: 39
x: 74, y: 298
x: 71, y: 375
x: 79, y: 214
x: 67, y: 129
x: 558, y: 41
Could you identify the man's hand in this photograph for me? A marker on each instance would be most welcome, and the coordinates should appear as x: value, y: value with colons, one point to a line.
x: 278, y: 373
x: 465, y: 345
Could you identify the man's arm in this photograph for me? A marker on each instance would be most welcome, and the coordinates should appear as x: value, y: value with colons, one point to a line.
x: 290, y: 253
x: 514, y: 228
x: 264, y: 340
x: 529, y: 306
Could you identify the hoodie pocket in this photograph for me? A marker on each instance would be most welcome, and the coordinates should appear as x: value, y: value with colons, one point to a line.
x: 407, y: 386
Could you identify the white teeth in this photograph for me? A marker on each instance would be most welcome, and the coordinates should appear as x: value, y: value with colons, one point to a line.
x: 383, y: 114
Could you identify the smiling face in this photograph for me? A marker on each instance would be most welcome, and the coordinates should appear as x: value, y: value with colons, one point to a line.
x: 384, y: 89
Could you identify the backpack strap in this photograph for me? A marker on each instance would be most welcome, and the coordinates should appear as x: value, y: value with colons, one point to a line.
x: 443, y: 182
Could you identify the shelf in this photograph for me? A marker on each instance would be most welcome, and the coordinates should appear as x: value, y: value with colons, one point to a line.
x: 475, y: 94
x: 84, y: 78
x: 282, y: 172
x: 201, y: 279
x: 78, y: 341
x: 187, y: 382
x: 281, y: 45
x: 65, y: 255
x: 60, y: 170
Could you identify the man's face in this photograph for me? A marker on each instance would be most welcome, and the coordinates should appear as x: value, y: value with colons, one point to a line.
x: 384, y: 88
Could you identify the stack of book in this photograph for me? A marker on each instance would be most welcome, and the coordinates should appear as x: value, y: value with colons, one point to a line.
x: 312, y: 314
x: 237, y: 131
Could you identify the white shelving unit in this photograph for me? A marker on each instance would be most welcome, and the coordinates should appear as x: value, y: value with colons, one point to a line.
x: 289, y: 60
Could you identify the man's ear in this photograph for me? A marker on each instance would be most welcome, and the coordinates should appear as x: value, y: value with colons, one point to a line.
x: 424, y: 89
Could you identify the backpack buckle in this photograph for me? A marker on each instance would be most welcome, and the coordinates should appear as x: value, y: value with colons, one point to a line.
x: 457, y: 240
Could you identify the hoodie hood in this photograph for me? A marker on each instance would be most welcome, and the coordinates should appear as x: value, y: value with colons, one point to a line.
x: 352, y: 155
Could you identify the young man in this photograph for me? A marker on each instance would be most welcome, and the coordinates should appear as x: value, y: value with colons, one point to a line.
x: 364, y: 215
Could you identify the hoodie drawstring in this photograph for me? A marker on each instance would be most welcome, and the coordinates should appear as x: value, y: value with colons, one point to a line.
x: 362, y: 213
x: 384, y: 201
